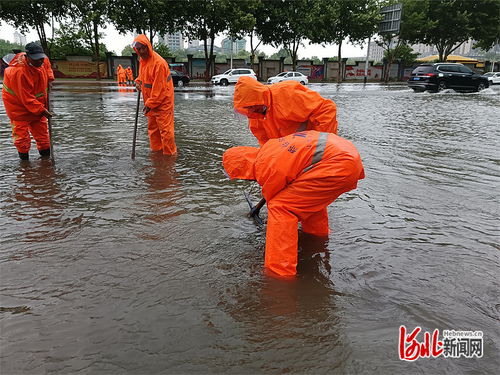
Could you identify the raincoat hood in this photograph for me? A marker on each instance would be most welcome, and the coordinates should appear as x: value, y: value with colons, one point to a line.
x: 249, y: 92
x: 19, y: 60
x: 239, y: 162
x: 143, y: 39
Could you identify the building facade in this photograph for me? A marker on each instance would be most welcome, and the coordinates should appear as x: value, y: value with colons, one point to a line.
x: 173, y: 41
x: 234, y: 47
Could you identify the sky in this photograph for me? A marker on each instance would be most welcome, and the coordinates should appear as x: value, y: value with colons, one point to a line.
x: 116, y: 42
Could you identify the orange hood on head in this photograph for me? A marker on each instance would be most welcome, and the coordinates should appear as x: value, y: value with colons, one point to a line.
x: 249, y: 91
x: 239, y: 162
x: 143, y: 39
x: 19, y: 60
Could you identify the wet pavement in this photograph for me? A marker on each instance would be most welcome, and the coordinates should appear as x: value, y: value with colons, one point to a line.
x: 109, y: 265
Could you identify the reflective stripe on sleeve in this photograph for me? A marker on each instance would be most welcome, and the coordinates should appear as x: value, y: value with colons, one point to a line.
x: 8, y: 90
x: 169, y: 78
x: 319, y: 151
x: 40, y: 94
x: 148, y: 85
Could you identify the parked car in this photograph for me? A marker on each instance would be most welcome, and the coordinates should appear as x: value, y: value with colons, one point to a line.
x: 180, y: 79
x: 289, y: 76
x: 440, y: 76
x: 232, y: 76
x: 493, y: 77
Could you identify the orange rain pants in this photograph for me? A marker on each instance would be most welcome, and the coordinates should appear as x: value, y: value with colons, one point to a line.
x: 300, y: 174
x: 24, y: 95
x: 291, y: 107
x: 158, y: 93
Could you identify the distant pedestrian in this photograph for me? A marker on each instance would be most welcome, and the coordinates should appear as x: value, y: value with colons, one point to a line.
x: 24, y: 95
x: 121, y: 75
x: 129, y: 75
x: 155, y: 82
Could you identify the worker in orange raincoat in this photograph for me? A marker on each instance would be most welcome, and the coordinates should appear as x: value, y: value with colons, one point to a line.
x: 283, y: 108
x: 157, y: 88
x: 129, y: 74
x: 121, y: 75
x: 300, y: 175
x: 24, y: 95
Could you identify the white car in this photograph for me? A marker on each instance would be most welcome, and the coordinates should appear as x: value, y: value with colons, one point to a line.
x: 232, y: 76
x: 493, y: 77
x: 289, y: 76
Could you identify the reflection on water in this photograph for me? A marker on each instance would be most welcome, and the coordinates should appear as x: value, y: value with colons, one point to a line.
x: 110, y: 265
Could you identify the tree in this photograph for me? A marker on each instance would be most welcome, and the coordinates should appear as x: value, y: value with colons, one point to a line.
x: 247, y: 14
x: 69, y: 40
x: 127, y: 51
x: 7, y: 47
x: 162, y: 50
x: 90, y: 15
x: 338, y: 20
x: 204, y: 20
x: 447, y: 24
x: 27, y: 14
x: 146, y: 16
x: 288, y: 24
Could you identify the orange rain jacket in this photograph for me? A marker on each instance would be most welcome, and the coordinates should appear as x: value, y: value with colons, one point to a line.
x: 130, y: 74
x: 300, y: 175
x: 291, y: 107
x: 156, y: 92
x: 24, y: 90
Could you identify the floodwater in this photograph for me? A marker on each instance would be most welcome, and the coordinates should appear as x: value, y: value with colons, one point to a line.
x: 116, y: 266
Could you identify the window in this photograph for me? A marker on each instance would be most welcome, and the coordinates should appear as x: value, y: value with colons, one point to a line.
x: 298, y: 75
x: 464, y: 69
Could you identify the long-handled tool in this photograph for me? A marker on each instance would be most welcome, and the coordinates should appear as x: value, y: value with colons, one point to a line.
x: 254, y: 210
x: 136, y: 120
x: 49, y: 119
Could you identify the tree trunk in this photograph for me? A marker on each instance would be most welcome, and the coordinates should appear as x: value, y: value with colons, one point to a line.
x: 40, y: 30
x: 96, y: 49
x: 339, y: 72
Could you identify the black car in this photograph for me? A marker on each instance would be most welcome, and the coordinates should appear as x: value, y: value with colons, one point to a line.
x: 441, y: 76
x: 180, y: 79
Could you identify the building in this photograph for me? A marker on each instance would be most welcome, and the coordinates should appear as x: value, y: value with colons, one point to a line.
x: 19, y: 38
x: 376, y: 52
x: 236, y: 46
x: 173, y: 41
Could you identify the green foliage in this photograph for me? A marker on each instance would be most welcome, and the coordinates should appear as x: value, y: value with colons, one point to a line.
x: 25, y: 15
x: 6, y: 47
x: 162, y: 50
x: 287, y: 24
x: 402, y: 52
x: 127, y: 51
x: 447, y: 24
x: 69, y: 40
x: 148, y: 17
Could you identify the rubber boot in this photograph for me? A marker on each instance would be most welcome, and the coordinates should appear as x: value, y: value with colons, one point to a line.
x: 45, y: 154
x: 24, y: 155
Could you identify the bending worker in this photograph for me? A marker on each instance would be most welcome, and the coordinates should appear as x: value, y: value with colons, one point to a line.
x: 300, y: 175
x: 283, y: 108
x: 24, y: 95
x: 155, y: 82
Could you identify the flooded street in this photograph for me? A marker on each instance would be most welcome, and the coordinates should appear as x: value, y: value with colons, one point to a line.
x: 116, y: 266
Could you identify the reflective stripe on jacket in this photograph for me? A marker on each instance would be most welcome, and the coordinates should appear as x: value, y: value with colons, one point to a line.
x: 24, y: 90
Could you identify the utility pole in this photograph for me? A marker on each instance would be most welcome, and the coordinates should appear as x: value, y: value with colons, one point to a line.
x: 231, y: 53
x: 366, y: 61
